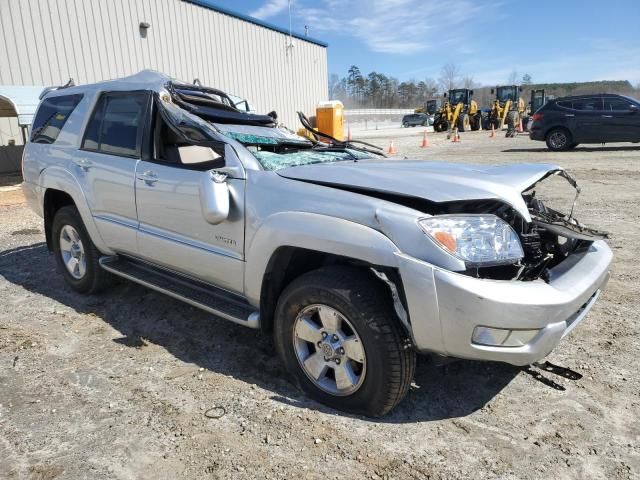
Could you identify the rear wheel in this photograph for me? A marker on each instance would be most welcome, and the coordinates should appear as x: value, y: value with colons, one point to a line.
x: 76, y: 254
x: 338, y: 336
x: 476, y: 122
x: 558, y: 139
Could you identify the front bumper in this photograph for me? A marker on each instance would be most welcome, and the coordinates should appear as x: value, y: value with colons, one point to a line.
x: 445, y: 307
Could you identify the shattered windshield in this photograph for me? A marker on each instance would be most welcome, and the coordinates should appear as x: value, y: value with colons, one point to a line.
x: 277, y: 148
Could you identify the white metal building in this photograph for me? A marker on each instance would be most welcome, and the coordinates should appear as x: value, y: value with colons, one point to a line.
x: 46, y: 42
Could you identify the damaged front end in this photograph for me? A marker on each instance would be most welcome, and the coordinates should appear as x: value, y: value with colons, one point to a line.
x: 547, y: 240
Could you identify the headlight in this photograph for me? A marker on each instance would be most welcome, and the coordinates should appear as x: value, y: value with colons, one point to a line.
x: 477, y: 239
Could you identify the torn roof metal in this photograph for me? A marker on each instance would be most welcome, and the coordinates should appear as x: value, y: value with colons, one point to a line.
x: 19, y: 101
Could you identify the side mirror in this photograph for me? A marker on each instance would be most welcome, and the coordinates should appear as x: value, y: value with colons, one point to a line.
x: 444, y: 94
x: 520, y: 88
x: 492, y: 91
x: 214, y: 196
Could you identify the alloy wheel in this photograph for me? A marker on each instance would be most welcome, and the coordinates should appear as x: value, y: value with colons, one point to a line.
x: 72, y: 252
x: 329, y: 350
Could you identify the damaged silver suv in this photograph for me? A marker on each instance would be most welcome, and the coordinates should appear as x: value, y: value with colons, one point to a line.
x: 355, y: 262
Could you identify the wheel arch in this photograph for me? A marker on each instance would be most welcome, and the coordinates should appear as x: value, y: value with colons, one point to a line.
x: 290, y: 244
x: 59, y: 188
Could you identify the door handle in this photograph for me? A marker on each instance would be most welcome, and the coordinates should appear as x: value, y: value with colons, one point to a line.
x: 148, y: 177
x: 84, y: 163
x: 569, y: 115
x: 607, y: 116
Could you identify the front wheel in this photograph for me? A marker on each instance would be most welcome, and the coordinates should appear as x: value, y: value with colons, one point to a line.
x: 76, y: 254
x: 339, y: 338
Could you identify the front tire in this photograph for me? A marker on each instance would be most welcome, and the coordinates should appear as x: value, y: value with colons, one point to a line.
x: 76, y: 255
x: 338, y: 336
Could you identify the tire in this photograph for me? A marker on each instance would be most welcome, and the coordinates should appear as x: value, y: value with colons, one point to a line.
x: 476, y: 122
x: 364, y: 311
x: 441, y: 125
x: 463, y: 122
x: 72, y: 246
x: 558, y: 139
x: 486, y: 125
x: 513, y: 118
x: 405, y: 125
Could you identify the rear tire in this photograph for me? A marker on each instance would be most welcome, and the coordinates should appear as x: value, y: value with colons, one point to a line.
x: 343, y: 308
x: 476, y: 122
x: 76, y: 255
x: 558, y: 139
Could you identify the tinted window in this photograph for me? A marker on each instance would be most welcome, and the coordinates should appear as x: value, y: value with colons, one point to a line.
x: 588, y: 104
x: 612, y: 104
x: 116, y: 125
x: 51, y: 117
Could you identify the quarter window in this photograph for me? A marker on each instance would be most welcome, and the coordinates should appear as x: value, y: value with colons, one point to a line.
x: 116, y: 124
x: 51, y: 117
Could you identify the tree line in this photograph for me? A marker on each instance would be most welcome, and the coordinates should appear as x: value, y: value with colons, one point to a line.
x: 378, y: 90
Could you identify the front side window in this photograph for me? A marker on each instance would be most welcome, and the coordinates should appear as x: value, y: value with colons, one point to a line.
x: 613, y: 104
x: 117, y: 123
x: 51, y: 117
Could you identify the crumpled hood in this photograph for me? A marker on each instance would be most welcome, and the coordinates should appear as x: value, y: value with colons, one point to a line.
x: 433, y: 181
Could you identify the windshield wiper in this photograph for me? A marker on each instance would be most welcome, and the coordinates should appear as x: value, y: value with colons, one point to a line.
x: 339, y: 144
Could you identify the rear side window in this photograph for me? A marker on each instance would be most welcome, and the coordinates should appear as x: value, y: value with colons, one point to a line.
x: 52, y: 114
x: 612, y: 104
x: 117, y: 123
x: 582, y: 104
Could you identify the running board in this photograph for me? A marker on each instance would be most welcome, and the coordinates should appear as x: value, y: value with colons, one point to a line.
x: 198, y: 294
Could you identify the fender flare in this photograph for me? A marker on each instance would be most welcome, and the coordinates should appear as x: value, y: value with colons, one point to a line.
x: 313, y: 231
x: 58, y: 178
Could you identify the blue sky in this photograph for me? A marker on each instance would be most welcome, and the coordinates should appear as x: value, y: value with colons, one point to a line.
x: 553, y: 41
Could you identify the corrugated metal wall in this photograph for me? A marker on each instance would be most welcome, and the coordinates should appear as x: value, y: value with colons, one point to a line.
x: 48, y: 41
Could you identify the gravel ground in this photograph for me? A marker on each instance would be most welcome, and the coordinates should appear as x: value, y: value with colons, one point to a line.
x: 122, y: 384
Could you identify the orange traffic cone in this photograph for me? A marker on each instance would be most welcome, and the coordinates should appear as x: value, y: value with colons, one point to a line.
x: 425, y: 142
x: 456, y: 135
x: 348, y: 133
x: 391, y: 150
x: 519, y: 128
x: 493, y: 132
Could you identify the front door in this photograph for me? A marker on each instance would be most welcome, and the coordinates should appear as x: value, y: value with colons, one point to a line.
x: 621, y: 121
x: 106, y: 162
x: 176, y: 230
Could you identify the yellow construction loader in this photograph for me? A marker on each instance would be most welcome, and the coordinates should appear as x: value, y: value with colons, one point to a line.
x: 459, y: 110
x: 507, y: 108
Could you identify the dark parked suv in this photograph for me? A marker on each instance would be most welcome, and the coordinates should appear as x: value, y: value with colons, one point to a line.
x: 414, y: 119
x: 565, y: 122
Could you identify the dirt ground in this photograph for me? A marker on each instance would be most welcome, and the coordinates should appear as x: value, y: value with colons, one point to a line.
x: 122, y: 384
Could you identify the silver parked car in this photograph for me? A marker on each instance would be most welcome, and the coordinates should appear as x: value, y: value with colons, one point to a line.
x: 355, y: 262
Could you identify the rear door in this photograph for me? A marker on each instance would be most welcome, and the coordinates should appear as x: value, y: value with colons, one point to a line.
x: 585, y: 116
x: 621, y: 121
x: 110, y: 150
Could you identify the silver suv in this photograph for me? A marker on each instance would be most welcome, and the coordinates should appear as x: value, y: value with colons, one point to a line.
x: 355, y: 262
